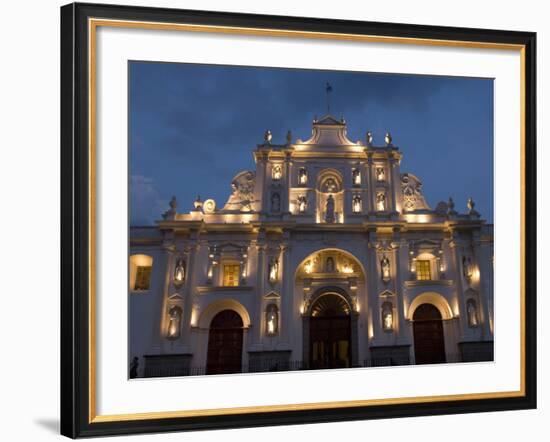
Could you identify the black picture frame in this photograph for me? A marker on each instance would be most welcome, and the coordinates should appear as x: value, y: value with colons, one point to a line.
x: 75, y: 221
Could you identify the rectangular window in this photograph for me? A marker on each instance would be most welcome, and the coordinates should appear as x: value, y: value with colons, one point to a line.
x: 143, y: 278
x: 231, y: 275
x: 423, y: 271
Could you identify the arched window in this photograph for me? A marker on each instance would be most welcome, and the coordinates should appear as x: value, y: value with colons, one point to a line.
x: 271, y: 320
x: 174, y: 323
x: 141, y: 267
x: 425, y: 267
x: 231, y: 272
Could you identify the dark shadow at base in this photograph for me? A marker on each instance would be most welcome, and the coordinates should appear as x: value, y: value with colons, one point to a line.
x: 49, y: 424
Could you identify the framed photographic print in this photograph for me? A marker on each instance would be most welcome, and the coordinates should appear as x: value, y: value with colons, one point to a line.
x: 279, y: 220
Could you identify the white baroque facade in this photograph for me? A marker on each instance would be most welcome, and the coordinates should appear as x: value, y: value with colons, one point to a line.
x: 326, y: 256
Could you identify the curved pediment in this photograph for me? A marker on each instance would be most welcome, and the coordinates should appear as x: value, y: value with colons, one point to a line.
x: 328, y: 133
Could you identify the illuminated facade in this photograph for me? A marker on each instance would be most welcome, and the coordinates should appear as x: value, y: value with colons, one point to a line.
x: 325, y: 256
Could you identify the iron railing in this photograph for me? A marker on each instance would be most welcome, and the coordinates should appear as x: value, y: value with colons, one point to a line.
x: 280, y: 365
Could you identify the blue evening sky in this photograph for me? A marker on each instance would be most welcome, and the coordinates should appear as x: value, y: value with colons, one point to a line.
x: 194, y: 127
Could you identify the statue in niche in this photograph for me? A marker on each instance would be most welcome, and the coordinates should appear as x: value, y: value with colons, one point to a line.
x: 380, y: 174
x: 466, y: 267
x: 272, y: 320
x: 385, y: 266
x: 329, y: 267
x: 275, y: 203
x: 273, y: 270
x: 179, y: 272
x: 330, y: 185
x: 381, y: 202
x: 356, y: 204
x: 472, y: 314
x: 302, y: 203
x: 387, y: 317
x: 302, y: 176
x: 356, y: 177
x: 277, y: 172
x: 329, y: 210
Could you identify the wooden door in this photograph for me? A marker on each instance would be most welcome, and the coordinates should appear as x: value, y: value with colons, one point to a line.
x: 330, y: 332
x: 225, y: 343
x: 429, y: 342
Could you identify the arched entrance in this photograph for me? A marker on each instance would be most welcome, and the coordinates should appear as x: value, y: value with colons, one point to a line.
x: 429, y: 343
x: 330, y: 332
x: 225, y: 343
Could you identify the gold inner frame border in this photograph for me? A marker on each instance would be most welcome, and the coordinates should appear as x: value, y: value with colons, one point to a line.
x: 93, y: 24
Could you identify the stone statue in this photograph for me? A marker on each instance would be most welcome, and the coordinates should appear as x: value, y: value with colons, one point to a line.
x: 289, y: 137
x: 171, y: 213
x: 380, y: 174
x: 472, y: 314
x: 277, y: 172
x: 356, y: 177
x: 302, y: 177
x: 381, y: 202
x: 329, y: 210
x: 134, y: 367
x: 268, y: 136
x: 302, y: 203
x: 466, y: 267
x: 388, y: 318
x: 356, y: 204
x: 273, y: 270
x: 385, y: 266
x: 369, y: 138
x: 388, y: 139
x: 471, y: 207
x: 173, y: 203
x: 451, y: 207
x: 275, y: 203
x: 330, y: 265
x: 179, y: 272
x: 271, y: 321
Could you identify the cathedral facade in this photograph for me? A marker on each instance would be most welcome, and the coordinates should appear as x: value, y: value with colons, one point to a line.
x: 326, y: 255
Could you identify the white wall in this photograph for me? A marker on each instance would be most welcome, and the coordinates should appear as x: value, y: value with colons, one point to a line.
x: 29, y: 303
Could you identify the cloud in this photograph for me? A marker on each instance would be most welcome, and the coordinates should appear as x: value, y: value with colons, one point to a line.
x: 146, y: 205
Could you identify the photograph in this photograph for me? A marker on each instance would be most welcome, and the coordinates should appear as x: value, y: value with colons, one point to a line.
x: 300, y: 219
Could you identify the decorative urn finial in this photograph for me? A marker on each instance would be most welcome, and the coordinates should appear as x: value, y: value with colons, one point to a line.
x: 388, y: 139
x: 470, y: 204
x: 268, y: 136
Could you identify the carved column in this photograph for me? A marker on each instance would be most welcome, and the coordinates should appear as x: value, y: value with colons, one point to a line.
x: 188, y: 294
x: 165, y: 264
x: 260, y: 291
x: 457, y: 247
x: 287, y: 295
x: 483, y: 261
x: 372, y: 283
x: 371, y: 203
x: 393, y: 183
x: 401, y: 264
